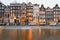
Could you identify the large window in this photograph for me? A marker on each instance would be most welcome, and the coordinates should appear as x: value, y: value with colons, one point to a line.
x: 42, y: 12
x: 29, y: 14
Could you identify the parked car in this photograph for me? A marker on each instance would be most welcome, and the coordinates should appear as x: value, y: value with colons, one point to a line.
x: 52, y: 23
x: 32, y: 23
x: 2, y: 24
x: 42, y: 23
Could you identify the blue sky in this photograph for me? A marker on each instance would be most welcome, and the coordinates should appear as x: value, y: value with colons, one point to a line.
x: 50, y: 3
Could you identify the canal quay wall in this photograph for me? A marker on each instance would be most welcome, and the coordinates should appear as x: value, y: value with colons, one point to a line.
x: 30, y: 27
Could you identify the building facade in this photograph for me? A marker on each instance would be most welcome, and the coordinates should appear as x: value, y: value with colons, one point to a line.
x: 29, y: 12
x: 49, y: 15
x: 15, y: 12
x: 2, y: 10
x: 42, y: 15
x: 6, y: 15
x: 23, y: 14
x: 56, y: 13
x: 35, y: 13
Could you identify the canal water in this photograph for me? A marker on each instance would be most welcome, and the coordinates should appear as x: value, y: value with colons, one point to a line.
x: 30, y: 34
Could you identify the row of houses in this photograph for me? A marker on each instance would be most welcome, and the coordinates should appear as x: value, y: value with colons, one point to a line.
x: 28, y: 14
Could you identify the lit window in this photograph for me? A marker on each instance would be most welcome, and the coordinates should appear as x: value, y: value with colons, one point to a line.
x: 29, y: 13
x: 11, y: 11
x: 18, y: 7
x: 42, y: 12
x: 11, y: 7
x: 30, y: 18
x: 54, y: 9
x: 57, y: 9
x: 55, y: 19
x: 54, y: 12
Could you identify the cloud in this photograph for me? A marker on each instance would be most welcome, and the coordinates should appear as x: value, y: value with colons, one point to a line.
x: 46, y: 3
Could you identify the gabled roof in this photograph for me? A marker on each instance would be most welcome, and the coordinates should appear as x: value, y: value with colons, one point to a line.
x: 15, y: 4
x: 36, y: 4
x: 23, y: 3
x: 48, y: 8
x: 29, y: 4
x: 42, y: 7
x: 56, y: 6
x: 2, y: 4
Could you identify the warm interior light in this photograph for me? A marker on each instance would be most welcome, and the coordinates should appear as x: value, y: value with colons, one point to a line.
x: 22, y: 20
x: 14, y: 17
x: 34, y: 21
x: 29, y: 14
x: 30, y: 18
x: 30, y: 34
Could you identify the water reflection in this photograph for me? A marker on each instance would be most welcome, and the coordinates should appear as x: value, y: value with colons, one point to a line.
x: 30, y: 34
x: 1, y: 34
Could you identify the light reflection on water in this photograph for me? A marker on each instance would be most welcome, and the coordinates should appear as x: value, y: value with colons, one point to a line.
x: 30, y: 34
